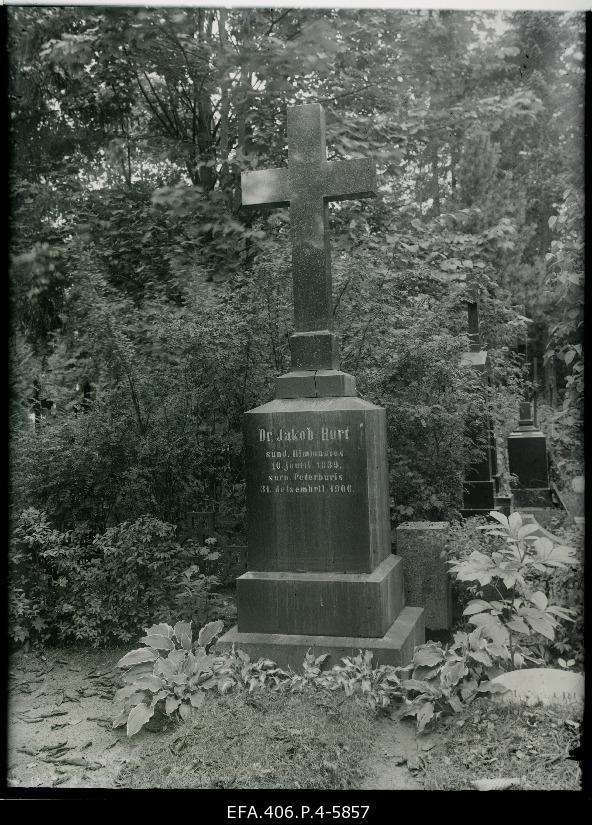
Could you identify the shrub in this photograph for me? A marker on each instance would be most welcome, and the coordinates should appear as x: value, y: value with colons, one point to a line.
x: 71, y: 587
x: 512, y: 609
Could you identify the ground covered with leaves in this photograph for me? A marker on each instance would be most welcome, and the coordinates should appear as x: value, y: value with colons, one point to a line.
x: 493, y: 741
x: 60, y: 734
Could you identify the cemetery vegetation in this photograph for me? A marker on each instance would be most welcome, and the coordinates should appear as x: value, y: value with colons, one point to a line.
x: 71, y: 589
x: 529, y: 744
x: 530, y: 589
x: 514, y: 621
x: 149, y: 310
x: 513, y: 580
x: 280, y: 741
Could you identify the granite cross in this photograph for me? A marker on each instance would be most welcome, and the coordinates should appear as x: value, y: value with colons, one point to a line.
x: 306, y: 186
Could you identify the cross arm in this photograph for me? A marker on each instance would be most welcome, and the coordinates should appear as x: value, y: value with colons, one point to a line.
x: 269, y: 186
x: 350, y: 179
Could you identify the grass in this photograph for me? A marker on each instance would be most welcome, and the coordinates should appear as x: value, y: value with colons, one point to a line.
x: 259, y: 741
x: 500, y: 741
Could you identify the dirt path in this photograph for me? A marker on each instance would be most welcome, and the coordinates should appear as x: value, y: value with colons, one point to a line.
x: 395, y: 759
x: 59, y: 721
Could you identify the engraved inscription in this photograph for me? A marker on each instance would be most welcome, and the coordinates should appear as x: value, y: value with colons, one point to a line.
x: 305, y: 461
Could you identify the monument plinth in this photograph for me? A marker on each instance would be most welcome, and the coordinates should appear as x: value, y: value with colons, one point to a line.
x: 321, y: 574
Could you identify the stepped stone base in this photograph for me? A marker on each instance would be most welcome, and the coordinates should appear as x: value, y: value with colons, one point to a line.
x: 331, y: 604
x: 394, y: 648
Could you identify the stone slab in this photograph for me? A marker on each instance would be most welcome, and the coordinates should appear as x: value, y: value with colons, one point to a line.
x: 527, y: 459
x: 333, y: 383
x: 474, y: 360
x: 314, y: 350
x: 315, y: 384
x: 541, y: 684
x: 479, y: 495
x: 422, y: 546
x: 394, y: 648
x: 322, y: 604
x: 296, y: 384
x: 472, y: 513
x: 317, y: 485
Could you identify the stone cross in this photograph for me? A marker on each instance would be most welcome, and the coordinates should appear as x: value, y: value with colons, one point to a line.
x: 306, y: 186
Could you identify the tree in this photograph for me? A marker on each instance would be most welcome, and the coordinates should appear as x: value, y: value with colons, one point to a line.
x: 152, y: 310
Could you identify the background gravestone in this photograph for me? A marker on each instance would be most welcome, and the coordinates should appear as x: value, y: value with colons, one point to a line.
x: 527, y: 459
x: 481, y: 487
x: 321, y: 574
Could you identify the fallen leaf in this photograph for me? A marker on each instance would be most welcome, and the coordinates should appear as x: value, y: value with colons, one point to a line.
x: 71, y: 760
x: 54, y: 747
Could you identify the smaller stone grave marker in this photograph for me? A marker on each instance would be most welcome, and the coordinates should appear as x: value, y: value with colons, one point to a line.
x: 527, y: 460
x: 546, y: 685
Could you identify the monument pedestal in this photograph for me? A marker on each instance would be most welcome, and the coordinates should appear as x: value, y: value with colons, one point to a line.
x: 394, y: 648
x: 321, y: 574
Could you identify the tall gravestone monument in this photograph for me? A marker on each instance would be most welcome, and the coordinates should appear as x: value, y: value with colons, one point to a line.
x: 321, y: 574
x: 481, y: 488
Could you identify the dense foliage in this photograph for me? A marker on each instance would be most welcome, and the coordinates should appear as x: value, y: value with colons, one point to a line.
x: 150, y: 310
x: 529, y: 589
x: 75, y: 588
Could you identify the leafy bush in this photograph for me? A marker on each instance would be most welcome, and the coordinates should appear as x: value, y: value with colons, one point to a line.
x: 515, y: 613
x: 75, y: 587
x: 566, y: 587
x: 170, y: 675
